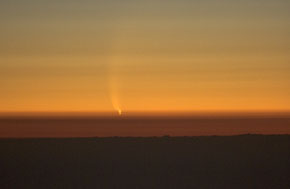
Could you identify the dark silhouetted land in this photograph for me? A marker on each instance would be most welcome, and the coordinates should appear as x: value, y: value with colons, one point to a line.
x: 145, y: 126
x: 245, y: 161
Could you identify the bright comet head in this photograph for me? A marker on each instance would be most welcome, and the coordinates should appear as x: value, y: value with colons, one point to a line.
x: 119, y: 111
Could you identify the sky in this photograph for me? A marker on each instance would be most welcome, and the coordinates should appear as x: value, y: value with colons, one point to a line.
x: 144, y: 56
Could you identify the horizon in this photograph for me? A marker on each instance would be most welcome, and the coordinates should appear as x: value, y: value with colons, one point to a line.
x: 148, y: 114
x: 67, y: 126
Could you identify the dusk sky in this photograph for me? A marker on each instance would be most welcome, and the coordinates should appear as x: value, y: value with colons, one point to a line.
x: 182, y: 55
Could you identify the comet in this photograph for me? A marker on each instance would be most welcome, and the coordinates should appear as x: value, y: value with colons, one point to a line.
x: 115, y: 103
x: 114, y: 95
x: 119, y: 112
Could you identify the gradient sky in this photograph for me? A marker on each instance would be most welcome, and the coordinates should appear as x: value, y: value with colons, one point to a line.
x: 144, y: 55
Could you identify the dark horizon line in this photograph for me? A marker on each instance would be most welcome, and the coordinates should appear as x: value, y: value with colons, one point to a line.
x: 138, y: 137
x: 128, y: 114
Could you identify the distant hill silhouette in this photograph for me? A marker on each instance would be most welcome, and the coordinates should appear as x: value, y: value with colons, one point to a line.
x: 21, y: 127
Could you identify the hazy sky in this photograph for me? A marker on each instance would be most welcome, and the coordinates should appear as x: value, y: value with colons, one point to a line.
x: 144, y: 55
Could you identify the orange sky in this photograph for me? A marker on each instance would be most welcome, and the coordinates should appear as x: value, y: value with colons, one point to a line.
x: 210, y: 55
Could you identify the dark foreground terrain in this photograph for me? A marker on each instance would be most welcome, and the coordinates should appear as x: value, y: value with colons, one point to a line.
x: 246, y: 161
